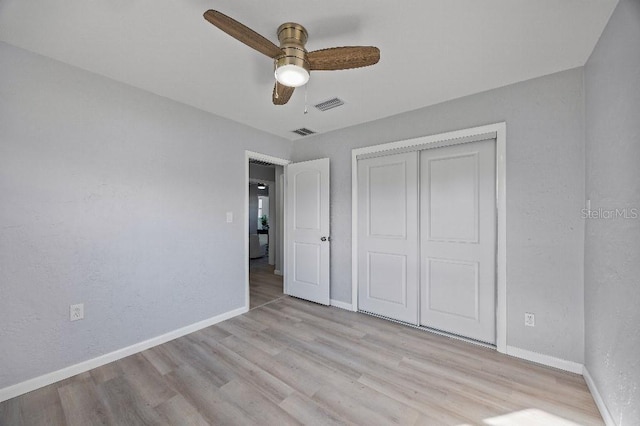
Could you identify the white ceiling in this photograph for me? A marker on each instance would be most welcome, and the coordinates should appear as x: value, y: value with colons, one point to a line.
x: 431, y: 50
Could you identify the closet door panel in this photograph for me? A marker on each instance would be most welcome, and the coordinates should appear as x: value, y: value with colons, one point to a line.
x: 388, y: 270
x: 458, y: 239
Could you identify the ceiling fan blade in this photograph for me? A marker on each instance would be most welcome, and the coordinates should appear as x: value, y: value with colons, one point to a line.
x: 242, y: 33
x: 284, y: 94
x: 342, y: 58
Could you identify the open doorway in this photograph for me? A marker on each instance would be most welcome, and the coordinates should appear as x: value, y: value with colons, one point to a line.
x: 265, y: 225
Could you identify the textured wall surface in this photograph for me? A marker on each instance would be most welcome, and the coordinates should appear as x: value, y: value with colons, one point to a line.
x: 612, y: 253
x: 545, y: 189
x: 256, y: 171
x: 113, y: 197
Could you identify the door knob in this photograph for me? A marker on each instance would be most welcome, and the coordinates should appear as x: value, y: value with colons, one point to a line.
x: 323, y: 239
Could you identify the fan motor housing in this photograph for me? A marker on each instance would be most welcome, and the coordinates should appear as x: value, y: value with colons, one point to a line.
x: 292, y: 39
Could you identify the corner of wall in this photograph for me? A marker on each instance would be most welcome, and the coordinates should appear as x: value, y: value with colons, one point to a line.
x: 602, y: 408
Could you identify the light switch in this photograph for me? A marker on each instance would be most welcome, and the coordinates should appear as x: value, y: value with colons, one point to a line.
x: 229, y: 217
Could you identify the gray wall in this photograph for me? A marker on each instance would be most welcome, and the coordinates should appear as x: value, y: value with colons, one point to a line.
x: 545, y: 189
x: 612, y: 253
x: 113, y: 197
x: 265, y: 173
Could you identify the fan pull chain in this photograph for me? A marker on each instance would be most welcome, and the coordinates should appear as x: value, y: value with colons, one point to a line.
x: 276, y: 89
x: 305, y: 98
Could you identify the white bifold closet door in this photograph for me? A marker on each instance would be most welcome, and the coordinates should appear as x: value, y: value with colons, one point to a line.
x: 427, y: 238
x: 458, y: 239
x: 388, y: 270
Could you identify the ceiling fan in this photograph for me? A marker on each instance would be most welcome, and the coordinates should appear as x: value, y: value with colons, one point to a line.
x: 292, y: 62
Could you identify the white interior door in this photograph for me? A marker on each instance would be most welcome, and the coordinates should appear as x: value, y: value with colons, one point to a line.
x: 458, y: 239
x: 388, y: 236
x: 307, y: 230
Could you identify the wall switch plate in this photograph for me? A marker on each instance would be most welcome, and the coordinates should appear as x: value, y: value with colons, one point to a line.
x: 529, y: 319
x: 229, y: 217
x: 76, y: 312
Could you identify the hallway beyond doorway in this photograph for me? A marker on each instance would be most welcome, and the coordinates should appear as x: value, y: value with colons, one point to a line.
x: 264, y: 285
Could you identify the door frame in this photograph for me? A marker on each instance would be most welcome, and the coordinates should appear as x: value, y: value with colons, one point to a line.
x: 250, y: 155
x: 438, y: 140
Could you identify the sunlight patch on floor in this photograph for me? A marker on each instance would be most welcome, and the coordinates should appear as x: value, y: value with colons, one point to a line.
x: 528, y: 417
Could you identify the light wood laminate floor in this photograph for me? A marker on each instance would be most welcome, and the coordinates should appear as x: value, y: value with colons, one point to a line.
x: 264, y: 285
x: 294, y: 362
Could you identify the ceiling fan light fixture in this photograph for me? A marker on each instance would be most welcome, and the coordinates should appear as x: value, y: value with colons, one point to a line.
x: 292, y: 75
x: 292, y: 67
x: 292, y: 62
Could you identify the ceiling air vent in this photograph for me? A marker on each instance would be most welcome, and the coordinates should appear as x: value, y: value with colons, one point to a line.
x: 331, y: 103
x: 303, y: 131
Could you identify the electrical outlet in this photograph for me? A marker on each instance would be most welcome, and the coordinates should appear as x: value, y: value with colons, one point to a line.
x: 76, y: 312
x: 529, y: 319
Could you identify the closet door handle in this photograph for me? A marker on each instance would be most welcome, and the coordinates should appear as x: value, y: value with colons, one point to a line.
x: 325, y: 239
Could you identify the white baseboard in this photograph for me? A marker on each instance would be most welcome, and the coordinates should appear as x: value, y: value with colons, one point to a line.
x: 342, y: 305
x: 64, y: 373
x: 550, y: 361
x: 277, y: 272
x: 604, y: 411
